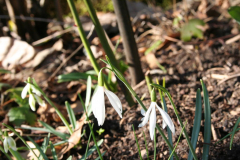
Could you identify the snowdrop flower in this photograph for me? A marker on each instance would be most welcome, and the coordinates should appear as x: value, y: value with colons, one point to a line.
x: 152, y: 113
x: 98, y: 104
x: 34, y: 95
x: 9, y: 143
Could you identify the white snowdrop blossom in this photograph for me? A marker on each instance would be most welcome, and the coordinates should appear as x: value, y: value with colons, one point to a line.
x: 151, y: 113
x: 152, y: 122
x: 34, y: 95
x: 9, y: 143
x: 98, y: 104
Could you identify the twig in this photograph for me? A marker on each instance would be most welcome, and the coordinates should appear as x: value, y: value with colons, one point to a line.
x: 230, y: 77
x: 70, y: 56
x: 54, y: 35
x: 233, y: 39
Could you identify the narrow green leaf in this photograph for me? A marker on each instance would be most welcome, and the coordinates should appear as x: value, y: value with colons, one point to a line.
x: 101, y: 155
x: 76, y: 76
x: 71, y: 115
x: 54, y: 154
x: 139, y: 151
x: 4, y: 71
x: 235, y: 13
x: 207, y: 123
x: 45, y: 145
x: 233, y: 132
x: 52, y: 130
x: 2, y: 85
x: 226, y: 136
x: 1, y: 148
x: 91, y: 150
x: 177, y: 141
x: 197, y: 122
x: 87, y: 146
x: 146, y: 146
x: 38, y: 148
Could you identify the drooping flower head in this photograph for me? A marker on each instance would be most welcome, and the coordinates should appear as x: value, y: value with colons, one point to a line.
x: 9, y: 143
x: 151, y: 113
x: 34, y: 95
x: 98, y: 104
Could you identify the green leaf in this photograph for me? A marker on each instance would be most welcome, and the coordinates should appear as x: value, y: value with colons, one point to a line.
x: 191, y: 29
x: 18, y: 115
x: 4, y: 85
x: 4, y: 71
x: 100, y: 131
x: 52, y: 130
x: 207, y: 123
x: 54, y: 151
x: 234, y: 131
x: 139, y: 151
x: 235, y: 13
x: 74, y: 77
x: 15, y: 93
x: 91, y: 150
x: 153, y: 47
x: 71, y: 115
x: 197, y: 123
x: 123, y: 66
x: 39, y: 149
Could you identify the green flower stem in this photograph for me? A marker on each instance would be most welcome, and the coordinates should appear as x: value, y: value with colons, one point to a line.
x: 146, y: 146
x: 90, y: 126
x: 148, y: 81
x: 178, y: 117
x: 83, y: 36
x: 155, y: 145
x: 106, y: 46
x: 101, y: 33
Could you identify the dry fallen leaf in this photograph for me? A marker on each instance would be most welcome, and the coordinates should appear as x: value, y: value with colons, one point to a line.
x: 15, y: 52
x: 74, y: 138
x: 152, y: 60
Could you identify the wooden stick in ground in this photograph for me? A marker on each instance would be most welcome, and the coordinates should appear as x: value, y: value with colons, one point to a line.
x: 129, y: 43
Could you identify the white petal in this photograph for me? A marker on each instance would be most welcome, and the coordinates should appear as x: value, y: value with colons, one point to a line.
x: 32, y: 102
x: 98, y: 105
x: 5, y: 144
x: 152, y: 122
x: 167, y: 119
x: 25, y: 91
x: 40, y: 101
x: 164, y: 124
x: 115, y: 101
x: 143, y: 112
x: 12, y: 143
x: 35, y: 90
x: 145, y: 120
